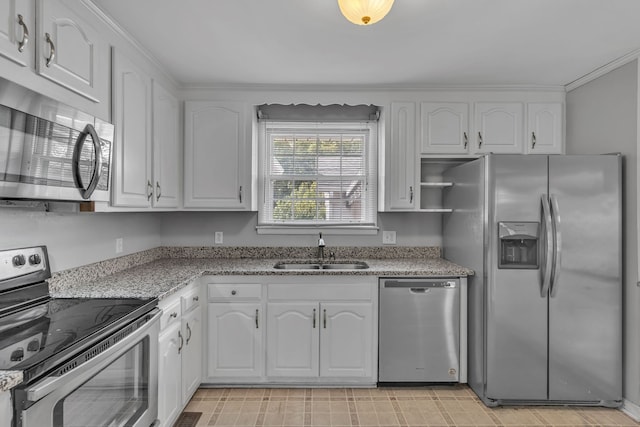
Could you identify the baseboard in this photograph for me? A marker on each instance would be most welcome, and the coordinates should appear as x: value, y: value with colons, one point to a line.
x: 631, y: 409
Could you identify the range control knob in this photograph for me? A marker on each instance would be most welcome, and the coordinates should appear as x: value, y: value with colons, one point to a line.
x: 19, y: 261
x: 17, y: 355
x: 33, y: 345
x: 35, y: 259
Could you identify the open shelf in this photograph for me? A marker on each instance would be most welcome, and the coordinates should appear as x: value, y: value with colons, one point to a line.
x: 432, y: 184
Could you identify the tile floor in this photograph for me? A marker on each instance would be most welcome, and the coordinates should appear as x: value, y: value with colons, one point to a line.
x: 432, y: 406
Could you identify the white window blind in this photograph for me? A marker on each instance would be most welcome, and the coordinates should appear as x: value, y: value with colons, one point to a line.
x: 318, y: 174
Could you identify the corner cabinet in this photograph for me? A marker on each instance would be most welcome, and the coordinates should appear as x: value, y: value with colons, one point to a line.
x: 401, y: 157
x: 217, y: 163
x: 166, y: 148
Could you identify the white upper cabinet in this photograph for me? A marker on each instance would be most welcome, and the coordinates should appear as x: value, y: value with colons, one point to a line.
x: 498, y: 127
x: 217, y: 164
x: 131, y: 181
x: 71, y: 52
x: 166, y: 148
x: 17, y: 31
x: 444, y: 127
x: 544, y: 128
x: 401, y: 156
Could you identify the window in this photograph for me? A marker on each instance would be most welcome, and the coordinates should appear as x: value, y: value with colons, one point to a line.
x: 318, y: 174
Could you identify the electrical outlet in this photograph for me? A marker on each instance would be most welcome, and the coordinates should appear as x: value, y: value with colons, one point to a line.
x: 219, y: 237
x: 119, y: 245
x: 389, y: 237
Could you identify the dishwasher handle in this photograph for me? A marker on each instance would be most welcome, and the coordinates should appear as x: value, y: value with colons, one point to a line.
x: 420, y: 285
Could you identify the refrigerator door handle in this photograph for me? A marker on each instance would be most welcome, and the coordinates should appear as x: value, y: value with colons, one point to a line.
x: 557, y: 250
x: 548, y: 246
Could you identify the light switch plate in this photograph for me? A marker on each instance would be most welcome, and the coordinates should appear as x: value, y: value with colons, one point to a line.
x: 389, y: 237
x: 218, y: 237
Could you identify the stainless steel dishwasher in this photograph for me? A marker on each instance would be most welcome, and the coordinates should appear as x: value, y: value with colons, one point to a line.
x: 419, y: 331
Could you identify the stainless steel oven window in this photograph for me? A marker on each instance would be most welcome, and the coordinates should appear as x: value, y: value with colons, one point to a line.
x: 117, y: 396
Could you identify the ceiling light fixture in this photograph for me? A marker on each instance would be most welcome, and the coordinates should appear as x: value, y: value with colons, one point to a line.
x: 365, y: 12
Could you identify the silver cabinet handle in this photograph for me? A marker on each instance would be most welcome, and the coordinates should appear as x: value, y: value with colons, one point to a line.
x: 324, y: 318
x: 240, y: 194
x: 174, y: 315
x: 196, y: 298
x: 149, y: 190
x: 548, y: 235
x: 557, y: 249
x: 533, y: 140
x: 158, y: 191
x: 257, y: 317
x: 314, y: 318
x: 189, y: 331
x: 465, y: 138
x: 181, y: 341
x: 25, y: 34
x: 479, y: 140
x: 52, y: 51
x: 410, y: 194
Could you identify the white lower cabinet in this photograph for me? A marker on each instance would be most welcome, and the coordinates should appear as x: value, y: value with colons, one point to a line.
x: 312, y: 340
x: 180, y: 352
x: 235, y: 340
x: 292, y: 330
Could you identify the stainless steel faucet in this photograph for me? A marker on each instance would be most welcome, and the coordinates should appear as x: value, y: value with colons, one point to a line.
x: 321, y: 246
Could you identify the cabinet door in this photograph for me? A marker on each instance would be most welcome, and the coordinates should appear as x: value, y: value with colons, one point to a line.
x: 235, y: 340
x: 445, y: 127
x: 498, y: 127
x: 217, y: 156
x: 191, y: 353
x: 346, y: 340
x: 544, y: 128
x: 293, y: 343
x: 131, y: 181
x: 169, y: 375
x: 71, y: 52
x: 17, y: 31
x: 166, y: 143
x: 401, y: 188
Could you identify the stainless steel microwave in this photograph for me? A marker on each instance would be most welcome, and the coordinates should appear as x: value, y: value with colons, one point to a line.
x: 50, y: 151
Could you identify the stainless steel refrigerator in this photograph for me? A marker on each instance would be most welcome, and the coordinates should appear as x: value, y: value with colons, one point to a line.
x: 543, y: 234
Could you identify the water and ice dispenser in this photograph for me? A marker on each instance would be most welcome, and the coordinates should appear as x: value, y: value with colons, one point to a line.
x: 518, y: 245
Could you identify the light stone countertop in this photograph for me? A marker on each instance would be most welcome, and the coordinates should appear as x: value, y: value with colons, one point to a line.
x: 9, y: 379
x: 163, y: 277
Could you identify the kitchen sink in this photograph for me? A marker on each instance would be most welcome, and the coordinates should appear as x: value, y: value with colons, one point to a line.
x: 352, y: 265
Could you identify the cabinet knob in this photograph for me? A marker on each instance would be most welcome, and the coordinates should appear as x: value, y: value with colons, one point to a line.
x: 174, y: 315
x: 233, y: 292
x: 196, y: 298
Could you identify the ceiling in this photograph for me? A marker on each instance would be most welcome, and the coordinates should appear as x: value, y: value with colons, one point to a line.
x: 420, y: 42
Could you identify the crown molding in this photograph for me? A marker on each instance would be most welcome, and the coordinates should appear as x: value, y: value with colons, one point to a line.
x: 599, y: 72
x: 370, y: 88
x: 131, y: 40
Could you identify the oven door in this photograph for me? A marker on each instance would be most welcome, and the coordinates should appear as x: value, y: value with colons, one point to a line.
x: 117, y: 388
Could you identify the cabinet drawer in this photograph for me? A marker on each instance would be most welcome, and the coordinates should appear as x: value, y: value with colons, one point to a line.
x: 324, y: 292
x: 170, y: 313
x: 190, y: 299
x: 226, y: 292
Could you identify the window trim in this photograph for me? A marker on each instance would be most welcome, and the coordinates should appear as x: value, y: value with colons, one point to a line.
x: 265, y: 126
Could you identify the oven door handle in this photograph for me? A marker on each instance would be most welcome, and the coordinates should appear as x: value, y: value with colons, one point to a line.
x: 50, y: 384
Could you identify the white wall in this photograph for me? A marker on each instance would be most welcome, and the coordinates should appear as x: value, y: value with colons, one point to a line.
x: 239, y: 228
x: 75, y: 239
x: 602, y: 117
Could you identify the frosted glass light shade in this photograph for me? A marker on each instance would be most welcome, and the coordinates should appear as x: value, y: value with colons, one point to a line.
x: 365, y: 12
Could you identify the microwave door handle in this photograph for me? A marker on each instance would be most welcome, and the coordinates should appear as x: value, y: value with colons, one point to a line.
x: 548, y: 246
x: 557, y: 250
x: 89, y: 130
